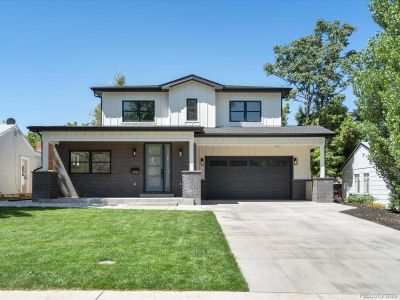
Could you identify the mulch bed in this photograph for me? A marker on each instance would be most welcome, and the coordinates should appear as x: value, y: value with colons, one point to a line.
x: 377, y: 215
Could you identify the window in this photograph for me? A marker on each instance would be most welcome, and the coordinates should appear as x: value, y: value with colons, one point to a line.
x: 245, y: 111
x: 357, y: 183
x: 238, y: 163
x: 90, y: 162
x: 138, y: 111
x: 366, y: 183
x: 191, y: 109
x: 218, y: 163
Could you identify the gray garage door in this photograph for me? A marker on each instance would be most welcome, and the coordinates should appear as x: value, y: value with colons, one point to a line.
x: 248, y: 177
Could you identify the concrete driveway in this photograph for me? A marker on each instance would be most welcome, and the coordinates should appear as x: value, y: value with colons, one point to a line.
x: 307, y: 247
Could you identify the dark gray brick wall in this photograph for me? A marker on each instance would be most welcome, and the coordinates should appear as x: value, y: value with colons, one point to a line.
x: 299, y: 189
x: 323, y: 190
x: 121, y: 182
x: 44, y: 185
x: 191, y: 185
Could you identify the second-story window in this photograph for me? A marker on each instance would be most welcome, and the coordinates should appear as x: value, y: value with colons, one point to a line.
x: 191, y: 109
x: 245, y: 111
x: 138, y: 111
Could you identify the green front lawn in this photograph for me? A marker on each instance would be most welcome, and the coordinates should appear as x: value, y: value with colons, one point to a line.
x: 155, y: 250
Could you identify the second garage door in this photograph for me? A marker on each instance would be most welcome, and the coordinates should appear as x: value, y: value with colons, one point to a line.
x: 248, y: 177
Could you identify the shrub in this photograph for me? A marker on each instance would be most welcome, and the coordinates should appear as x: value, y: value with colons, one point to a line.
x: 360, y: 198
x: 394, y: 203
x: 376, y: 205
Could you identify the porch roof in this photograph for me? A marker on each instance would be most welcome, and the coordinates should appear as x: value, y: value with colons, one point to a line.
x: 115, y: 128
x: 287, y: 131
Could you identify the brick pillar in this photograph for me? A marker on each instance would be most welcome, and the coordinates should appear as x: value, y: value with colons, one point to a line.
x: 322, y: 190
x: 191, y: 185
x: 44, y: 185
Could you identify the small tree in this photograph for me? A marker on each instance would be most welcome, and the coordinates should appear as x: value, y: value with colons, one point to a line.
x: 119, y: 79
x: 285, y: 113
x: 96, y: 116
x: 376, y: 83
x: 33, y: 138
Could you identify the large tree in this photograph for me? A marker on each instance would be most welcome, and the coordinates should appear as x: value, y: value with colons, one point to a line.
x: 318, y: 67
x: 377, y: 87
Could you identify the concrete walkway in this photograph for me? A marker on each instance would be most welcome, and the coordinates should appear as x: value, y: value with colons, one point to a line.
x: 307, y: 247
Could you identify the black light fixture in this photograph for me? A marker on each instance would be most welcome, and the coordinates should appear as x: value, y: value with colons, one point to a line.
x: 295, y: 161
x: 134, y: 153
x: 202, y: 161
x: 180, y: 152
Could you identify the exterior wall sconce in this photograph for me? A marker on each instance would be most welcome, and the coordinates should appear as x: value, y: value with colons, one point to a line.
x: 295, y: 161
x: 202, y: 161
x: 134, y: 153
x: 180, y: 152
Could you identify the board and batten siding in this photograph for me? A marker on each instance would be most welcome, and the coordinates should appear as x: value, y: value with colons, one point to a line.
x: 212, y: 106
x: 112, y: 108
x: 205, y: 96
x: 360, y: 164
x: 300, y: 171
x: 270, y: 108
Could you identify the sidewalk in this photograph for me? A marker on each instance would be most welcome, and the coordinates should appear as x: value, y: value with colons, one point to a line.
x: 156, y: 295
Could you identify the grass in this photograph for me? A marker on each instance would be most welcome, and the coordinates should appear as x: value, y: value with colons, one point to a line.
x: 152, y: 250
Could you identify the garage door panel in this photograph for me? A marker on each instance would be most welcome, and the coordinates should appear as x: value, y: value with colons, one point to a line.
x: 248, y: 177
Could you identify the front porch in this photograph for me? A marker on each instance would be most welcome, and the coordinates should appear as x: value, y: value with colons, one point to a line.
x: 102, y: 164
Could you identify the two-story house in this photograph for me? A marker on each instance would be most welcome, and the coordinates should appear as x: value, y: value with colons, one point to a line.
x: 182, y: 137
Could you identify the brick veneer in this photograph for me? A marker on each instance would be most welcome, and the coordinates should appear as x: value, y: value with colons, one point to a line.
x: 44, y: 185
x: 191, y: 185
x: 121, y: 182
x: 322, y: 190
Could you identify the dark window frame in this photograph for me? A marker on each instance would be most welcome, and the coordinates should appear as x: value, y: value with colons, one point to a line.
x: 187, y: 110
x: 245, y: 110
x: 138, y: 110
x: 90, y: 162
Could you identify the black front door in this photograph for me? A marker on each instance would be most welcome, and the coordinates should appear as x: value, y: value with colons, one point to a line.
x: 157, y: 174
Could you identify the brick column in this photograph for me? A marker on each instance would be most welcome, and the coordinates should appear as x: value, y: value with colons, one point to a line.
x: 191, y: 185
x: 323, y: 190
x: 44, y: 185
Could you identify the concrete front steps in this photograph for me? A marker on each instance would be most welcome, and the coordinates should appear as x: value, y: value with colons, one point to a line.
x: 141, y: 201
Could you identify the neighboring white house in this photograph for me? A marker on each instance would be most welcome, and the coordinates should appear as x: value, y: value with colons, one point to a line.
x: 360, y: 177
x: 17, y: 161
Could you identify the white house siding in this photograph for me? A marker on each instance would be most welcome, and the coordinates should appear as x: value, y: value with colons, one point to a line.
x: 360, y: 164
x: 302, y: 153
x: 13, y: 147
x: 170, y: 106
x: 112, y: 108
x: 205, y: 96
x: 270, y: 108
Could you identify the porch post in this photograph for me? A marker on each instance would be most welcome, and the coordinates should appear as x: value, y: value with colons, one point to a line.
x: 322, y: 160
x: 191, y: 155
x: 45, y: 155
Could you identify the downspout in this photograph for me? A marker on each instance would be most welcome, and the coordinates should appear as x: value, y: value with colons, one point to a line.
x: 41, y: 154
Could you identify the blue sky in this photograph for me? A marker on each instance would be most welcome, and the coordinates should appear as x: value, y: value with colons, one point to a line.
x: 53, y: 51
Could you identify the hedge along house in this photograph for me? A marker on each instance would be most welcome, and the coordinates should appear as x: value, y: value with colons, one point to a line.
x: 189, y: 137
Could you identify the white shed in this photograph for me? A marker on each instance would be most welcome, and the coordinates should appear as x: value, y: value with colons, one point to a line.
x: 359, y: 176
x: 17, y: 161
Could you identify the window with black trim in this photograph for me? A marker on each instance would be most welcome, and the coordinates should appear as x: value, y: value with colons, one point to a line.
x: 138, y: 111
x: 245, y: 111
x: 90, y: 162
x: 191, y: 109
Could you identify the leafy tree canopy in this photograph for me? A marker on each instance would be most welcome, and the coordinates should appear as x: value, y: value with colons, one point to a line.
x: 316, y: 65
x: 376, y: 83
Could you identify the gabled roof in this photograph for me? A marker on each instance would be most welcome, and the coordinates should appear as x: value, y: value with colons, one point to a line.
x: 361, y: 144
x: 187, y: 78
x: 164, y: 87
x: 4, y: 128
